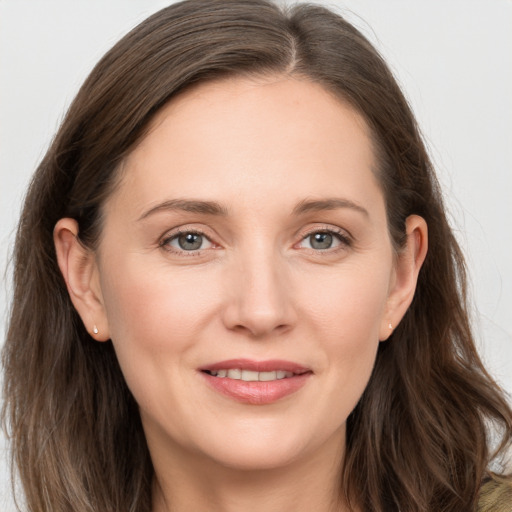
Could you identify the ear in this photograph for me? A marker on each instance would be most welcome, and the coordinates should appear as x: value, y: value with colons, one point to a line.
x: 80, y: 271
x: 407, y: 267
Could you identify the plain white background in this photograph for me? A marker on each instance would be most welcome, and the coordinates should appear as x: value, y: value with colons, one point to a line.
x: 452, y: 58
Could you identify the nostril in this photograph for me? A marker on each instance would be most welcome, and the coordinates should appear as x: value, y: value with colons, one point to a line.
x: 258, y: 311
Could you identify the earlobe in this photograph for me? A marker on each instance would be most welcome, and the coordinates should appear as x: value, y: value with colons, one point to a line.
x: 408, y: 265
x: 79, y: 268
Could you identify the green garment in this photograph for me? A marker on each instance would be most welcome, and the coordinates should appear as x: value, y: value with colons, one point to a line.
x: 496, y: 495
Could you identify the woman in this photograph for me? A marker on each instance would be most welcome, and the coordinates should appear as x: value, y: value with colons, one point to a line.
x: 242, y: 289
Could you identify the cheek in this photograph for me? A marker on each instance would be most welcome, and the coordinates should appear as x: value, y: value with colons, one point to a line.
x: 153, y: 306
x: 154, y: 316
x: 345, y: 311
x: 348, y: 303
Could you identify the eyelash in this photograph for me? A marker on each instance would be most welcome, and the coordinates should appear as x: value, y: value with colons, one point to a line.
x: 341, y: 235
x: 165, y: 242
x: 344, y: 239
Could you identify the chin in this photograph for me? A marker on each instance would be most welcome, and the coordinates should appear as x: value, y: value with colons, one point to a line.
x: 262, y: 447
x: 255, y: 458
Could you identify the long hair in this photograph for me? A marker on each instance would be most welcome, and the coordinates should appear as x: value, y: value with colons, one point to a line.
x: 418, y: 440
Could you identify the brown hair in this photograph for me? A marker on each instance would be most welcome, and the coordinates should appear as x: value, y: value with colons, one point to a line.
x: 418, y: 440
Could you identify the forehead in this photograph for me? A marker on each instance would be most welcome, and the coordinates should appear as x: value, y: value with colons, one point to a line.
x: 251, y: 137
x: 254, y: 104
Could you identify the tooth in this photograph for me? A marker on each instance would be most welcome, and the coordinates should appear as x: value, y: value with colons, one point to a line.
x: 249, y: 376
x: 234, y: 374
x: 265, y: 376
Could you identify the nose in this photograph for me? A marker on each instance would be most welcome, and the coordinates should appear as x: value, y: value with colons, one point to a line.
x: 260, y: 296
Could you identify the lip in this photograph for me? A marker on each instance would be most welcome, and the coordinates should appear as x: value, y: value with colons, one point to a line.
x: 256, y: 392
x: 256, y: 366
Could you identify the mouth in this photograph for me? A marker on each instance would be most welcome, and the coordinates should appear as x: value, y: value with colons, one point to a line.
x: 252, y: 376
x: 256, y: 382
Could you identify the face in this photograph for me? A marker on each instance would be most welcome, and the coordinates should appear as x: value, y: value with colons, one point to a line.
x: 246, y: 273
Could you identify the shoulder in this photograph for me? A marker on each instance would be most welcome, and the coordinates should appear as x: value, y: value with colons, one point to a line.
x: 496, y: 495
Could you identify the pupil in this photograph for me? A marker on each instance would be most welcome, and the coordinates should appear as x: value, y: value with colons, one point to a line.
x: 321, y: 240
x: 190, y: 241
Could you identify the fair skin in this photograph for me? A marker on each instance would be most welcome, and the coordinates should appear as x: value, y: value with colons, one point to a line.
x: 248, y: 225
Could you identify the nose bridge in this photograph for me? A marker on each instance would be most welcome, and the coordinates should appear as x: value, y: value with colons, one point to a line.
x: 260, y: 299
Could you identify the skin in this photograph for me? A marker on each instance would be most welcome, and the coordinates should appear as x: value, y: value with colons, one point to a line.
x: 259, y: 288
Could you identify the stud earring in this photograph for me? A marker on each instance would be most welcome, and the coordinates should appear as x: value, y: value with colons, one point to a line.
x: 390, y: 326
x: 95, y: 330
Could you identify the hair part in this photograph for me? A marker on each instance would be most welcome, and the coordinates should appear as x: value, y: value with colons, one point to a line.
x: 416, y: 440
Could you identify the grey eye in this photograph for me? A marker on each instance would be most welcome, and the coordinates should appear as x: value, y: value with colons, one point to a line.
x: 321, y: 240
x: 324, y: 240
x: 190, y: 241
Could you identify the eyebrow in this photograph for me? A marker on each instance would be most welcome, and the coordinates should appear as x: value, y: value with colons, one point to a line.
x: 186, y: 205
x: 317, y: 205
x: 214, y: 208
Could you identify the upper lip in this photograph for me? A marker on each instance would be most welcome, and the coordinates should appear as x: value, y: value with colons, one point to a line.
x: 256, y: 366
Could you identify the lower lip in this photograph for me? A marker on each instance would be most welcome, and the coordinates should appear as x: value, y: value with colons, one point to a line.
x: 256, y: 392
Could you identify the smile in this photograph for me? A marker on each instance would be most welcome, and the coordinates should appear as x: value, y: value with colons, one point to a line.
x: 256, y: 382
x: 251, y: 376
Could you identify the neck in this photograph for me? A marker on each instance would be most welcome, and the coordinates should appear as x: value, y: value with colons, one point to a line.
x: 206, y: 486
